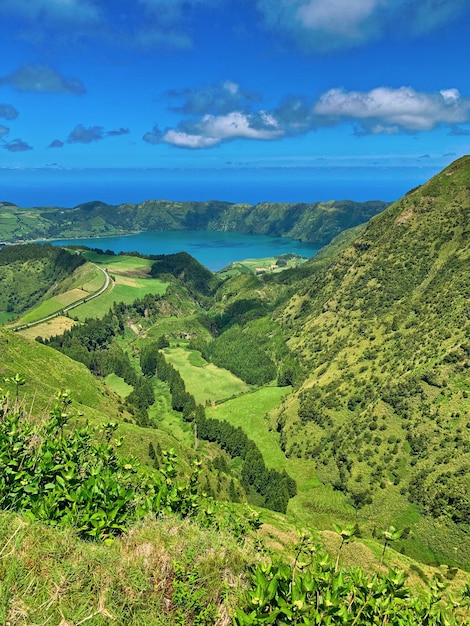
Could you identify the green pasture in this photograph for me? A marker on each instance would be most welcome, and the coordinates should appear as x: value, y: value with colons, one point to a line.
x: 316, y: 504
x: 118, y: 385
x: 250, y: 412
x: 119, y: 263
x: 205, y: 381
x: 54, y: 304
x: 256, y: 266
x: 123, y: 289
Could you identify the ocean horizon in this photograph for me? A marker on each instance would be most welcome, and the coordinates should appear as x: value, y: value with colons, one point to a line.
x: 68, y: 188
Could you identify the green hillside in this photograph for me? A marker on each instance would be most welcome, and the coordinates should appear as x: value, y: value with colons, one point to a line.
x: 383, y: 335
x: 287, y: 447
x: 317, y: 222
x: 28, y: 272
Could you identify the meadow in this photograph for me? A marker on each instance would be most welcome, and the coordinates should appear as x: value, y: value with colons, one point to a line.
x: 205, y: 381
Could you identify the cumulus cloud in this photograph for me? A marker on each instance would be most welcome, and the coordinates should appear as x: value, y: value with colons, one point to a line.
x: 339, y: 24
x: 17, y: 145
x: 8, y: 112
x: 3, y: 130
x: 84, y: 134
x: 42, y: 79
x: 212, y: 130
x: 218, y: 99
x: 386, y: 110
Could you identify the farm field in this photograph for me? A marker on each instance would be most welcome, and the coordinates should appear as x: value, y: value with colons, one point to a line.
x: 120, y: 263
x: 118, y: 385
x: 55, y: 326
x: 123, y: 289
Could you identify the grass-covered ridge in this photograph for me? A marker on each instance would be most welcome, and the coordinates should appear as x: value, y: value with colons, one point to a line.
x: 383, y: 333
x: 317, y: 222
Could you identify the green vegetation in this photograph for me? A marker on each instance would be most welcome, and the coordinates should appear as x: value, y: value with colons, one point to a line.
x: 28, y: 272
x: 332, y: 395
x: 318, y: 223
x: 205, y: 381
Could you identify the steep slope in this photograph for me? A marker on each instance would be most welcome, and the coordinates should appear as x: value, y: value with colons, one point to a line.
x: 28, y: 272
x: 46, y: 371
x: 384, y: 335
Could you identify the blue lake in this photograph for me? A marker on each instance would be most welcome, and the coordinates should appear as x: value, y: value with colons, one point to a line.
x: 213, y: 249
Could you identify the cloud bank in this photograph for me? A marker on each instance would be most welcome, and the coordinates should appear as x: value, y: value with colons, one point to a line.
x: 383, y: 110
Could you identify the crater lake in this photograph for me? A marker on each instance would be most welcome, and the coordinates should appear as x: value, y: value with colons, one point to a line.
x: 214, y: 249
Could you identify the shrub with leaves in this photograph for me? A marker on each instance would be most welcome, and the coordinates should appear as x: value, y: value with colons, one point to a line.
x: 76, y: 478
x: 315, y: 592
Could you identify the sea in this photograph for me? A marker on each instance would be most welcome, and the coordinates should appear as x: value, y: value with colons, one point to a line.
x: 68, y: 188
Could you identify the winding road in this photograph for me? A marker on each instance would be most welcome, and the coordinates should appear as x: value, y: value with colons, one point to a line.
x: 69, y: 307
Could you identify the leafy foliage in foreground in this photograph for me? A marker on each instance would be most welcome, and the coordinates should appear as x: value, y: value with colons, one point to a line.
x: 76, y: 478
x: 313, y: 591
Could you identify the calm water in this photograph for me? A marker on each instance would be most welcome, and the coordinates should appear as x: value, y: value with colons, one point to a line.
x: 68, y: 188
x: 215, y: 250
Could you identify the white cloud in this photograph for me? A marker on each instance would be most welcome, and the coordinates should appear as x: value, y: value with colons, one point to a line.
x: 403, y: 108
x: 214, y: 129
x: 381, y: 111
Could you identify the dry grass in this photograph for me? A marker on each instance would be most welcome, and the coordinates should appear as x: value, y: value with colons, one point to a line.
x: 56, y: 326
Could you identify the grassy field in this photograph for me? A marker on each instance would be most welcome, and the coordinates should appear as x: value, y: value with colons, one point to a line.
x: 316, y: 504
x: 52, y: 305
x: 56, y: 326
x: 118, y: 385
x: 260, y: 266
x: 123, y: 289
x: 120, y: 264
x: 205, y: 381
x: 47, y: 371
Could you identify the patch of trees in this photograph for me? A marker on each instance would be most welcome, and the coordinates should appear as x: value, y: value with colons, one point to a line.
x: 186, y: 269
x: 445, y: 495
x: 275, y: 488
x: 91, y: 343
x: 239, y: 351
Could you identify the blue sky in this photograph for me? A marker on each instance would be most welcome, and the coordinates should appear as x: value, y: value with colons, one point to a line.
x: 377, y: 85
